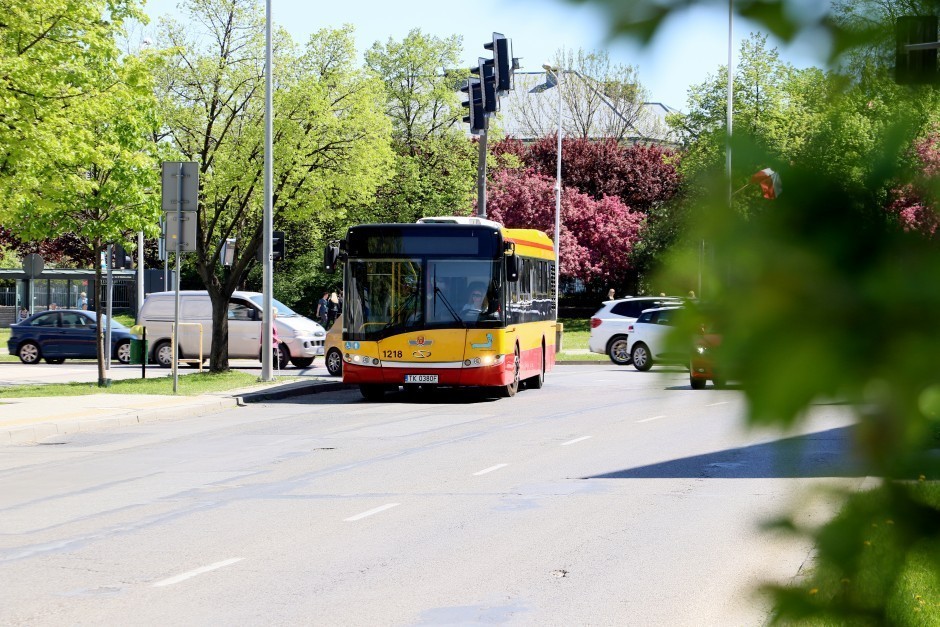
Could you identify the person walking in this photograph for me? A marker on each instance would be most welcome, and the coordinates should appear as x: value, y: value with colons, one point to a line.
x: 323, y: 308
x: 275, y: 341
x: 610, y: 294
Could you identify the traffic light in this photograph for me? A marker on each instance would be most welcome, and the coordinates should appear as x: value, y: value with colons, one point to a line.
x: 277, y: 247
x: 119, y: 258
x: 502, y: 61
x: 916, y: 67
x: 476, y: 117
x: 488, y: 76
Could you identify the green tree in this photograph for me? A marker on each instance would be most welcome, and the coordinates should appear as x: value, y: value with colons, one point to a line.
x: 331, y: 137
x: 78, y: 158
x: 56, y: 59
x: 796, y: 285
x: 435, y: 163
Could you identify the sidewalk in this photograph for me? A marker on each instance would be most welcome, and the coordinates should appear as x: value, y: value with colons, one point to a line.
x: 25, y: 420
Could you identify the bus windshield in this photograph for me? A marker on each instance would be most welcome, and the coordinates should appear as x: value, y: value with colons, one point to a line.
x: 389, y: 296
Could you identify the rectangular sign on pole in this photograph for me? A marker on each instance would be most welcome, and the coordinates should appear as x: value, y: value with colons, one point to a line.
x: 176, y: 196
x: 186, y: 234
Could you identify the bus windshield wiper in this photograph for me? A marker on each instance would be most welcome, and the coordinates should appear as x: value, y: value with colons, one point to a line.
x: 438, y: 292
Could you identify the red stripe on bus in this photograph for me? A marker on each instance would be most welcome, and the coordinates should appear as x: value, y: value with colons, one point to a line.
x: 530, y: 243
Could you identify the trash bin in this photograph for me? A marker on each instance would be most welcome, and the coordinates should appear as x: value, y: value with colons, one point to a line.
x: 138, y: 351
x: 138, y: 345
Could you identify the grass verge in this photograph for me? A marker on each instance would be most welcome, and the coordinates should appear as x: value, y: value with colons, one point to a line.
x: 869, y: 570
x: 189, y: 385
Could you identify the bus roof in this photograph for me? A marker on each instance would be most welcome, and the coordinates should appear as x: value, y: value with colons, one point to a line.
x: 530, y: 243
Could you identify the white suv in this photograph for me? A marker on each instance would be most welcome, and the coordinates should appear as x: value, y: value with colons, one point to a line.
x: 610, y: 325
x: 649, y: 339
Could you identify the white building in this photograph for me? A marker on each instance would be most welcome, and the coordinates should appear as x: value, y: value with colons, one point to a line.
x: 530, y: 111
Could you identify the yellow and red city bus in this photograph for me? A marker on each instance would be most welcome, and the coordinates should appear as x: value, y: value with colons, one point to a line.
x: 452, y: 301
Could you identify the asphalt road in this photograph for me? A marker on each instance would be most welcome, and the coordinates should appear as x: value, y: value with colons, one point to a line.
x: 609, y: 497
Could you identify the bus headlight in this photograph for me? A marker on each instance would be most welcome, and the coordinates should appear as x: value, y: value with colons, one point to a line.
x: 361, y: 360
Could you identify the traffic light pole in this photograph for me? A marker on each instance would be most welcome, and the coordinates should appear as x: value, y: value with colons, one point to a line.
x: 481, y: 176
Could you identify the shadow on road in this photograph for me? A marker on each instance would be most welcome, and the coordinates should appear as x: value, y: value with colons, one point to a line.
x: 822, y: 454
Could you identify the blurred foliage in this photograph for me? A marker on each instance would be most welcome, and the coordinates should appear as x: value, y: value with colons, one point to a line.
x: 827, y: 292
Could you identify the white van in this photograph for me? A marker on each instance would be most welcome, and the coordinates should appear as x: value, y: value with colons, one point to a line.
x: 301, y: 339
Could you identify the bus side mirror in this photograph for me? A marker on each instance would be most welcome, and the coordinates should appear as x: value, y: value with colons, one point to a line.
x: 330, y: 257
x: 512, y: 268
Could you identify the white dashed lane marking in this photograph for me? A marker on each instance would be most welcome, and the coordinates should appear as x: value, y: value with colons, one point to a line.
x: 198, y: 571
x: 490, y: 469
x: 371, y: 512
x: 576, y: 440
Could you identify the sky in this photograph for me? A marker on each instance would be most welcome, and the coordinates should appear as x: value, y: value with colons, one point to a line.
x: 693, y: 45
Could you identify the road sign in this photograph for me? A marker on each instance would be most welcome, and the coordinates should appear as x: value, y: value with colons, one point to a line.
x: 173, y: 199
x: 33, y: 265
x: 186, y: 234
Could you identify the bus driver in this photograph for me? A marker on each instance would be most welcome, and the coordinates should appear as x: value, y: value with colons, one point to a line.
x: 474, y: 306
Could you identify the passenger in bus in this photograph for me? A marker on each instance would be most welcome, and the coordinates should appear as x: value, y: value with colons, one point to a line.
x: 475, y: 299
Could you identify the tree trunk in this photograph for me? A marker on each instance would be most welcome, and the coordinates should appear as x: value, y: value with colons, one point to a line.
x: 218, y: 351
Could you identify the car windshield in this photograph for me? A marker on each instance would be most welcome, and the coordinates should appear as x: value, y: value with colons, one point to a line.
x: 283, y: 311
x: 104, y: 322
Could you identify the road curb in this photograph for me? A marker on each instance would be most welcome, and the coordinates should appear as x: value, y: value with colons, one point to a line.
x: 298, y: 388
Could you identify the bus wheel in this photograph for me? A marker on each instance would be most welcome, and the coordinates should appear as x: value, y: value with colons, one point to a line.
x: 536, y: 382
x: 512, y: 388
x: 372, y: 391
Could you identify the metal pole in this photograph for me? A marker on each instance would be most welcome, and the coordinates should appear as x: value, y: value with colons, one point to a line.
x: 107, y: 332
x: 140, y: 271
x: 176, y: 281
x: 267, y: 335
x: 730, y: 95
x: 481, y: 175
x: 557, y: 73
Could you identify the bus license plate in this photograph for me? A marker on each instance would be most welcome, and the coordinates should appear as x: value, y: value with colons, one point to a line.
x: 420, y: 378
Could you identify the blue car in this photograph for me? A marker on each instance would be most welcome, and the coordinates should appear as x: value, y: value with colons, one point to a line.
x: 65, y: 333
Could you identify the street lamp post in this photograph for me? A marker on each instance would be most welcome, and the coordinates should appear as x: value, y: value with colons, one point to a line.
x: 556, y: 72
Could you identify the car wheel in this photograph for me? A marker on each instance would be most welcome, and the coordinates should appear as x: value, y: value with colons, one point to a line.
x: 29, y: 353
x: 619, y: 350
x: 306, y: 362
x: 124, y: 352
x: 536, y: 382
x: 334, y: 362
x: 641, y: 357
x: 55, y: 360
x: 511, y: 389
x: 372, y: 391
x: 163, y: 353
x: 697, y: 384
x: 283, y: 356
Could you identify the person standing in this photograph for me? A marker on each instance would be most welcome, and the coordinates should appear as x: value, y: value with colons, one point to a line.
x: 323, y: 306
x: 82, y: 301
x: 610, y: 294
x: 332, y: 309
x: 24, y: 313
